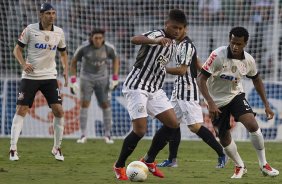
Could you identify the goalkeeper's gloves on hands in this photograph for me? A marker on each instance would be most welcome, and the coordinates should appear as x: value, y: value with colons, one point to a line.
x: 73, y: 85
x: 114, y: 82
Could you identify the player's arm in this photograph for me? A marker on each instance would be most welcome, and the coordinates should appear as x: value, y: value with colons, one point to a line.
x: 64, y: 61
x: 144, y: 40
x: 116, y: 62
x: 73, y: 66
x: 18, y: 53
x: 177, y: 70
x: 257, y: 81
x: 198, y: 64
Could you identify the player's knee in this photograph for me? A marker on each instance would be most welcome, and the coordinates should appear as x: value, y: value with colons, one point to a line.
x: 58, y: 111
x: 105, y: 105
x: 195, y: 127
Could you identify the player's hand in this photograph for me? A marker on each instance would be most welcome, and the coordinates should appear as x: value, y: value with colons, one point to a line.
x: 269, y: 113
x: 27, y: 67
x: 213, y: 111
x: 163, y: 41
x: 113, y: 84
x: 73, y: 85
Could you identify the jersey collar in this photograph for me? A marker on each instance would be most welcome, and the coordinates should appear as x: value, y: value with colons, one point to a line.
x: 230, y: 55
x: 41, y: 27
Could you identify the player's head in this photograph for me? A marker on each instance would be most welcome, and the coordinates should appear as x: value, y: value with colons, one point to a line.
x: 47, y: 13
x: 175, y: 24
x: 238, y: 39
x: 97, y: 37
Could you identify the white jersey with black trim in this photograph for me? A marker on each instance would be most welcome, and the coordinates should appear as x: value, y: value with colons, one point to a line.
x: 185, y: 87
x: 149, y: 72
x: 226, y: 73
x: 41, y: 50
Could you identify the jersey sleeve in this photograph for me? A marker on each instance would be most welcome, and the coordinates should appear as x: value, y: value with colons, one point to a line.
x: 62, y: 44
x: 253, y: 69
x: 24, y: 37
x: 211, y: 64
x: 111, y: 51
x: 186, y: 53
x: 79, y: 53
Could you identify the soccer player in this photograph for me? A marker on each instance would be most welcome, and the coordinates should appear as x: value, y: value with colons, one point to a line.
x: 94, y: 77
x: 145, y: 96
x: 185, y: 101
x: 43, y: 39
x: 221, y: 85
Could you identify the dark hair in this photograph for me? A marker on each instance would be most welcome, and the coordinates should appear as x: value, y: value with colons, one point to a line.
x: 45, y: 7
x: 178, y: 16
x: 239, y: 32
x: 96, y: 31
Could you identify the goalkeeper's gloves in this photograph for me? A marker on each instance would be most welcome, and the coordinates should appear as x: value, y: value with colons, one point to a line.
x: 73, y: 85
x: 114, y: 82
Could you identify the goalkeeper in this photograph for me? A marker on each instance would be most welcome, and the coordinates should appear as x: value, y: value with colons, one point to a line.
x: 94, y: 77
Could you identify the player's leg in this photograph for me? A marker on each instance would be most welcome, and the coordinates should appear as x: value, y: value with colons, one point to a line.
x: 25, y: 99
x: 103, y: 97
x: 247, y: 118
x: 86, y: 91
x: 50, y: 90
x: 137, y: 109
x: 160, y: 107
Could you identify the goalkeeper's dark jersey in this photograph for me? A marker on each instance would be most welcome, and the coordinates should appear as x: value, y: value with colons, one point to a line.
x: 148, y: 72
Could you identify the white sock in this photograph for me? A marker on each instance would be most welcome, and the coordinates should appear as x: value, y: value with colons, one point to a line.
x: 107, y: 118
x: 258, y: 143
x: 58, y: 131
x: 16, y: 130
x: 83, y: 120
x: 231, y: 151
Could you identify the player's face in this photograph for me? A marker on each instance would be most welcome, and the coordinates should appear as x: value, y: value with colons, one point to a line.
x: 237, y: 45
x: 98, y: 40
x: 174, y: 29
x: 182, y: 34
x: 48, y: 17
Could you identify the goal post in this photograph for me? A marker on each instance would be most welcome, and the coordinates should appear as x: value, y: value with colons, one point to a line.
x: 209, y: 23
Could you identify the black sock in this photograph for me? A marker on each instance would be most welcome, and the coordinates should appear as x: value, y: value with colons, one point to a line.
x: 160, y: 140
x: 129, y: 144
x: 174, y: 144
x: 209, y: 138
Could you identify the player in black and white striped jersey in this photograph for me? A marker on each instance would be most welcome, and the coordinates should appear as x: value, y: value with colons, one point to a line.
x: 185, y: 100
x: 144, y: 94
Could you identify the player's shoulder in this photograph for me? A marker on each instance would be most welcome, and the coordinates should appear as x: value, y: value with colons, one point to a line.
x: 155, y: 33
x: 33, y: 26
x: 58, y: 29
x: 249, y: 57
x: 109, y: 45
x: 220, y: 51
x: 188, y: 41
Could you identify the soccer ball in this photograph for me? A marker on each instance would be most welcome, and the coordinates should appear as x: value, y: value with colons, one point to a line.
x: 137, y: 171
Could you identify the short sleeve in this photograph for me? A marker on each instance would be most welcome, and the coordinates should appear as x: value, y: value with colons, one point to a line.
x: 62, y: 44
x: 24, y: 37
x: 253, y: 69
x: 153, y: 34
x: 111, y: 51
x: 212, y: 63
x: 79, y: 53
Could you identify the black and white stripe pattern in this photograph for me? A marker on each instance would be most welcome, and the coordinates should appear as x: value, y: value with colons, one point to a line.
x: 185, y: 86
x: 148, y: 72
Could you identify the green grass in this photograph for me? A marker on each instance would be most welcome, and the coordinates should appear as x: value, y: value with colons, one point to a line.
x: 91, y: 163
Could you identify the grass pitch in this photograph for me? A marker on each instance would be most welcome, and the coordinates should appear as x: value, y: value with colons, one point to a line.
x: 92, y: 163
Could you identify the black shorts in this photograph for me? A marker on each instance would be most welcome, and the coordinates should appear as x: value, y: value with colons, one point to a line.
x: 49, y: 88
x: 237, y: 107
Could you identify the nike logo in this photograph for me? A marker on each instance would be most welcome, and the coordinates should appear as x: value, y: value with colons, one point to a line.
x: 36, y: 35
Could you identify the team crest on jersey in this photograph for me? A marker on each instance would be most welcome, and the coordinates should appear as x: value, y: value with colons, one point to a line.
x: 47, y: 38
x: 233, y: 69
x: 162, y: 60
x: 21, y: 96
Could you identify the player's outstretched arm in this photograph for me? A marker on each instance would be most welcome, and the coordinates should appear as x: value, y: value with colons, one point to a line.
x: 141, y: 39
x: 177, y: 70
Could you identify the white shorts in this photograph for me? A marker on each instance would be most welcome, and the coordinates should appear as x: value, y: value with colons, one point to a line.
x: 141, y: 103
x: 189, y: 112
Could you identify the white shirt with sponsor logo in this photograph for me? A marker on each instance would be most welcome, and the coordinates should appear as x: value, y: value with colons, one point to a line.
x: 41, y: 50
x: 225, y: 81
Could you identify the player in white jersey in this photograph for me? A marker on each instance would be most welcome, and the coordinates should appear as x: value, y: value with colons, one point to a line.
x: 143, y: 91
x: 220, y: 82
x: 43, y: 39
x: 185, y: 101
x: 94, y: 77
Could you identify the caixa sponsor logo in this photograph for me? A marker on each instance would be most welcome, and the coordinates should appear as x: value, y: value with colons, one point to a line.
x: 45, y: 46
x: 229, y: 77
